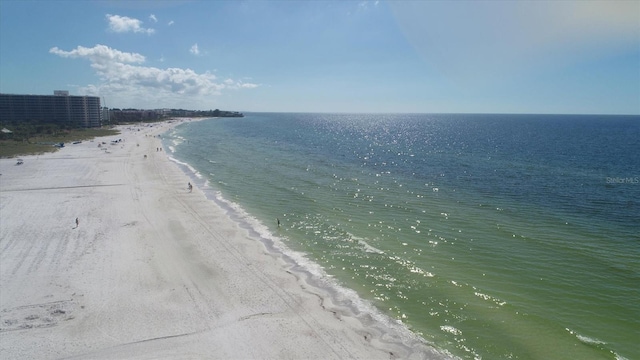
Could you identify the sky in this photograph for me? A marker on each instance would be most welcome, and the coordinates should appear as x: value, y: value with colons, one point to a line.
x: 542, y: 57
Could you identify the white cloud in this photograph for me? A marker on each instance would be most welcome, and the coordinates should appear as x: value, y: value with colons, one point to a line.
x: 194, y: 49
x: 100, y: 54
x: 248, y: 86
x: 153, y: 18
x: 170, y: 23
x: 239, y: 84
x: 127, y: 83
x: 122, y: 24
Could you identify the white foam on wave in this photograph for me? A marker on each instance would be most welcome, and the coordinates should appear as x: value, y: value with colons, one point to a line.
x: 489, y: 298
x: 450, y: 329
x: 177, y: 141
x: 588, y: 340
x: 595, y: 342
x: 344, y: 298
x: 585, y: 339
x: 367, y: 247
x: 263, y: 232
x: 411, y: 266
x: 195, y: 172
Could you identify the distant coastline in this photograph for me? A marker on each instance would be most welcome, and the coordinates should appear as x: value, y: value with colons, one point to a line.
x: 24, y: 136
x: 117, y: 116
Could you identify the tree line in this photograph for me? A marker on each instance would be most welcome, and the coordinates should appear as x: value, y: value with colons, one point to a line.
x: 23, y: 130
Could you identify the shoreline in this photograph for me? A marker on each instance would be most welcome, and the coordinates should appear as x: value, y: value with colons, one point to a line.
x: 153, y: 270
x: 342, y: 302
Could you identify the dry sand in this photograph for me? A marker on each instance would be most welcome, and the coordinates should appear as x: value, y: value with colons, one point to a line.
x: 152, y: 270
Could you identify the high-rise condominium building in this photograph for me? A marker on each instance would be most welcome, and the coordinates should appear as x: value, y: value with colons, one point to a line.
x: 61, y: 109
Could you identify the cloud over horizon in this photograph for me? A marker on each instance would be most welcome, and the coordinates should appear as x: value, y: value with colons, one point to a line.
x: 129, y: 84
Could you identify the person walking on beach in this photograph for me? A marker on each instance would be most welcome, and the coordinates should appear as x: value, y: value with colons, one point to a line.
x: 190, y: 187
x: 77, y: 222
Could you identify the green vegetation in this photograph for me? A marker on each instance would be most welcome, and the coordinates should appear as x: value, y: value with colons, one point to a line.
x: 33, y: 143
x: 120, y: 116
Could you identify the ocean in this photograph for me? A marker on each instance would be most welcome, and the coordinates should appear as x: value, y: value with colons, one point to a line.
x: 488, y: 236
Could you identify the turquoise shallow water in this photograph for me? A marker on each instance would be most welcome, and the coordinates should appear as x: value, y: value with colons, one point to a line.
x: 490, y: 236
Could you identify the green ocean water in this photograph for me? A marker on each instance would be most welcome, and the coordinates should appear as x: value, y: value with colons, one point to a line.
x: 490, y: 236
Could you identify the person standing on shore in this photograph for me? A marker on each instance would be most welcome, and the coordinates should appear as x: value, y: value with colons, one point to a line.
x: 77, y: 222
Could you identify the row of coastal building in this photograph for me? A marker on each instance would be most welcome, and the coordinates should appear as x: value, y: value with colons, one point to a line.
x: 83, y: 111
x: 59, y: 108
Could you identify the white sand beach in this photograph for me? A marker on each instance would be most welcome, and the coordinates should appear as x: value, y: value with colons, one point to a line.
x: 152, y: 270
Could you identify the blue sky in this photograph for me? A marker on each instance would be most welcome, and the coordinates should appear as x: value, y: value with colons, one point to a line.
x: 329, y: 56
